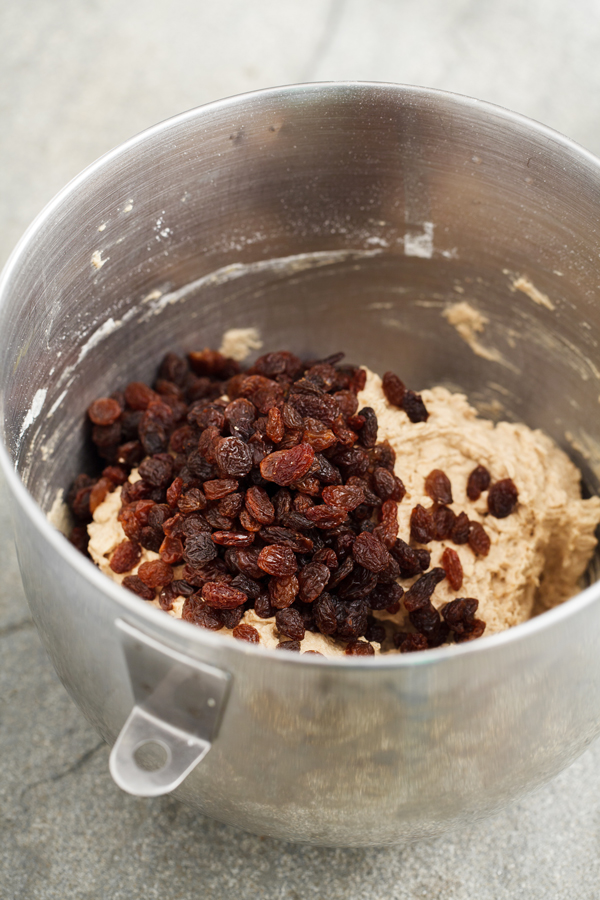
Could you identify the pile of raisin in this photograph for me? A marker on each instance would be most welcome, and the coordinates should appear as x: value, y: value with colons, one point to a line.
x: 269, y: 488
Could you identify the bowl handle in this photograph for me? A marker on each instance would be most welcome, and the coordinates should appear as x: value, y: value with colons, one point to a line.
x: 179, y: 703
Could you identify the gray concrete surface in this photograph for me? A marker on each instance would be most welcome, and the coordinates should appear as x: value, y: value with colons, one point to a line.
x: 76, y: 79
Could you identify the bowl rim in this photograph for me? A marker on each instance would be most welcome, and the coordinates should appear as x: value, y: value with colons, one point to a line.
x: 199, y: 638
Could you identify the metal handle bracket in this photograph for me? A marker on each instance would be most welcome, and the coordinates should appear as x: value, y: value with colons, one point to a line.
x: 179, y: 703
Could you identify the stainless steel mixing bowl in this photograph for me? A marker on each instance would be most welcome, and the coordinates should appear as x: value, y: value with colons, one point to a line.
x: 328, y: 216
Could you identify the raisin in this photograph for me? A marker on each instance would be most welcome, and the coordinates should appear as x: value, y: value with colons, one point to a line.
x: 283, y: 591
x: 452, y: 566
x: 460, y: 613
x: 326, y: 517
x: 289, y: 622
x: 359, y: 648
x: 479, y: 541
x: 212, y: 363
x: 426, y: 620
x: 259, y: 506
x: 233, y: 456
x: 353, y: 623
x: 422, y: 526
x: 358, y: 585
x: 460, y: 529
x: 413, y: 406
x: 190, y: 501
x: 231, y: 505
x: 368, y: 432
x: 443, y: 521
x: 275, y: 427
x: 410, y: 643
x: 217, y: 488
x: 246, y: 632
x: 263, y: 608
x: 478, y: 481
x: 135, y: 584
x: 419, y: 594
x: 344, y: 496
x: 286, y: 466
x: 477, y: 629
x: 248, y: 523
x: 278, y: 559
x: 130, y: 453
x: 151, y: 538
x: 249, y: 586
x: 318, y: 435
x: 369, y: 552
x: 326, y: 555
x: 126, y: 555
x: 231, y: 618
x: 152, y: 435
x: 198, y: 613
x: 98, y: 493
x: 325, y: 614
x: 387, y: 530
x: 438, y: 487
x: 240, y: 414
x: 173, y: 368
x: 344, y: 570
x: 138, y: 395
x: 385, y: 595
x: 117, y: 474
x: 155, y: 574
x: 358, y: 380
x: 312, y: 579
x: 246, y: 562
x: 157, y: 470
x: 502, y: 498
x: 289, y: 645
x: 394, y: 389
x: 171, y: 550
x: 314, y: 405
x: 222, y: 596
x: 79, y: 538
x: 388, y: 486
x: 354, y: 461
x: 199, y: 549
x: 104, y: 411
x: 375, y: 632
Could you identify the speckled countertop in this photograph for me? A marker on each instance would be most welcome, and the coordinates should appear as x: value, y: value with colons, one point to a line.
x: 76, y: 79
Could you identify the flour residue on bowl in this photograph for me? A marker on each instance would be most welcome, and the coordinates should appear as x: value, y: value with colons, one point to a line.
x: 238, y: 343
x: 469, y: 323
x: 522, y: 283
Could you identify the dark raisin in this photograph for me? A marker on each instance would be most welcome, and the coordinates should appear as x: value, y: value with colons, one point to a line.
x: 157, y: 470
x: 199, y: 549
x: 370, y: 553
x: 460, y: 613
x: 283, y: 591
x: 327, y: 555
x: 479, y: 541
x: 385, y: 595
x: 233, y: 456
x: 419, y: 594
x: 410, y: 643
x: 426, y: 620
x: 289, y: 645
x: 312, y: 579
x: 422, y: 526
x: 479, y: 481
x: 135, y: 584
x: 190, y: 501
x: 126, y: 555
x: 438, y: 487
x: 289, y: 622
x: 502, y: 498
x: 278, y: 559
x: 325, y: 614
x: 394, y: 389
x: 413, y: 406
x: 231, y: 505
x: 352, y: 622
x: 263, y: 608
x: 368, y: 432
x: 477, y: 629
x: 249, y: 586
x: 246, y: 562
x: 443, y: 522
x: 246, y: 632
x: 460, y: 529
x: 452, y: 566
x: 278, y: 535
x: 375, y: 632
x: 387, y: 486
